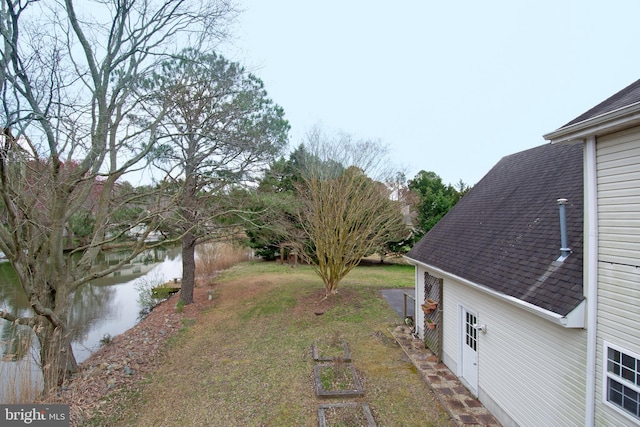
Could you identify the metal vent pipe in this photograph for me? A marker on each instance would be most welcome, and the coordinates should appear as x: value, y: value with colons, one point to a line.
x: 565, y: 250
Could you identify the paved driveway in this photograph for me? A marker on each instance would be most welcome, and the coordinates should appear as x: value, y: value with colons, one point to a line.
x: 395, y: 298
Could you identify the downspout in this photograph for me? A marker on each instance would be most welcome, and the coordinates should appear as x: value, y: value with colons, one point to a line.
x: 591, y: 276
x: 416, y: 304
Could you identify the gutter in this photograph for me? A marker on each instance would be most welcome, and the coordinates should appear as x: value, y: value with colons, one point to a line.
x: 606, y: 123
x: 575, y: 319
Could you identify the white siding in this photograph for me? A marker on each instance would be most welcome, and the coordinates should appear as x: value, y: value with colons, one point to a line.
x: 532, y: 369
x: 618, y: 323
x: 618, y: 177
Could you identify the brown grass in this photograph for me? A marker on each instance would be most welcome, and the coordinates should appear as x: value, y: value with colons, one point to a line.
x: 213, y: 257
x: 22, y: 381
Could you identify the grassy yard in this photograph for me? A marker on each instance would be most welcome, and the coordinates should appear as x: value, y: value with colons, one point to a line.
x: 247, y: 361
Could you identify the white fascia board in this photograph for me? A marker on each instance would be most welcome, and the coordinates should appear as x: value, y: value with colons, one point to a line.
x: 575, y: 319
x: 606, y: 123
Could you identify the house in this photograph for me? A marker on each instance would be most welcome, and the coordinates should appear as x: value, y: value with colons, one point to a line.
x: 536, y: 276
x: 509, y: 288
x: 610, y: 134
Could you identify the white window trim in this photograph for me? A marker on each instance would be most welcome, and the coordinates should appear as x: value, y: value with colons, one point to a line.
x: 605, y: 375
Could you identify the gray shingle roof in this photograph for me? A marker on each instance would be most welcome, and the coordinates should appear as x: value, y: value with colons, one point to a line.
x: 505, y: 233
x: 628, y: 96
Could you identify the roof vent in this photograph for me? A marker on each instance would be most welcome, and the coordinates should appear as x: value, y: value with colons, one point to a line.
x: 565, y: 250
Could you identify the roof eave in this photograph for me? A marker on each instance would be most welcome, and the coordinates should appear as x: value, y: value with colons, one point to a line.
x: 606, y: 123
x: 574, y: 319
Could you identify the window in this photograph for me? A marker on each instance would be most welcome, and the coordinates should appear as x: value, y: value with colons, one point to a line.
x: 622, y: 380
x: 471, y: 333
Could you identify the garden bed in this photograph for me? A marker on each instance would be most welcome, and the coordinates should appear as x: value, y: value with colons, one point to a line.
x: 331, y: 350
x: 337, y: 380
x: 345, y: 415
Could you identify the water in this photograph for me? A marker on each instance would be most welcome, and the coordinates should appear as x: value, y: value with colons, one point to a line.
x: 103, y: 308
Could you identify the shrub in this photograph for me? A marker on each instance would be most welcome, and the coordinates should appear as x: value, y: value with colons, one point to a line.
x: 147, y: 298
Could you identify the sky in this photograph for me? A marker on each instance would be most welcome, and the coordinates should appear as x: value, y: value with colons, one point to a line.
x: 449, y: 86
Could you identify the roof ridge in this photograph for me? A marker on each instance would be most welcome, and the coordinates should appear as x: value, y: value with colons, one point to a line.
x: 624, y: 98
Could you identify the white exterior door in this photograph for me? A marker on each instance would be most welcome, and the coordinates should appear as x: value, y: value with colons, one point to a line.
x: 469, y: 349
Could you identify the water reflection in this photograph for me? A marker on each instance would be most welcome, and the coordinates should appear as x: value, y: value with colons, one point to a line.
x: 109, y: 306
x: 106, y: 306
x: 17, y: 342
x: 15, y: 339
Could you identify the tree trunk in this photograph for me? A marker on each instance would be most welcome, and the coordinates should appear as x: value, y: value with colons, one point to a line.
x: 188, y: 268
x: 330, y: 287
x: 56, y: 355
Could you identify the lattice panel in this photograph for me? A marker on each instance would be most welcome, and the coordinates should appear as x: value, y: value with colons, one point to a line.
x: 433, y: 337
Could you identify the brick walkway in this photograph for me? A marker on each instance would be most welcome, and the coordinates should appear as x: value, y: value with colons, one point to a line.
x: 463, y: 407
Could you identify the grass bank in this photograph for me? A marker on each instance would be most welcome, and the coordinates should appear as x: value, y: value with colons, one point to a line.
x: 247, y: 361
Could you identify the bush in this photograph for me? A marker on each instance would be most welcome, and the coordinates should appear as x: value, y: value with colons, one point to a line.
x: 147, y: 298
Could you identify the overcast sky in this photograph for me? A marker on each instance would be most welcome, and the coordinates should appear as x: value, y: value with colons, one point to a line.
x: 450, y: 86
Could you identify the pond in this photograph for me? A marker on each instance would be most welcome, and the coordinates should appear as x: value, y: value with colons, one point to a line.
x: 101, y: 309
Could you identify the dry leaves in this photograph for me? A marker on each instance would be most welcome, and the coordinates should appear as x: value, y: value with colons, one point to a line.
x: 107, y: 376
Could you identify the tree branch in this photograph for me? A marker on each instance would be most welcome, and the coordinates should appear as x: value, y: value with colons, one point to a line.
x: 28, y: 321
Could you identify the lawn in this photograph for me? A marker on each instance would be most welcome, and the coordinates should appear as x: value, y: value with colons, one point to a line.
x: 247, y: 361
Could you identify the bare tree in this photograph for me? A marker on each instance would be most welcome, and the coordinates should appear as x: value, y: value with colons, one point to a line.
x: 69, y: 81
x: 218, y: 129
x: 346, y: 214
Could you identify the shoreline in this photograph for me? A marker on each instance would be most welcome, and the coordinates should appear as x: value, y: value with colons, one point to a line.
x: 115, y: 370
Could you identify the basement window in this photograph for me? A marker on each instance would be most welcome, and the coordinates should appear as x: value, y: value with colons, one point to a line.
x: 622, y: 381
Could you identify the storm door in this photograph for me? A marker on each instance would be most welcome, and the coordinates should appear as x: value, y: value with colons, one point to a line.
x: 469, y: 351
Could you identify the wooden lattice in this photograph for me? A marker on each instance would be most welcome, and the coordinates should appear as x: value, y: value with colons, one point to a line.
x: 433, y: 337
